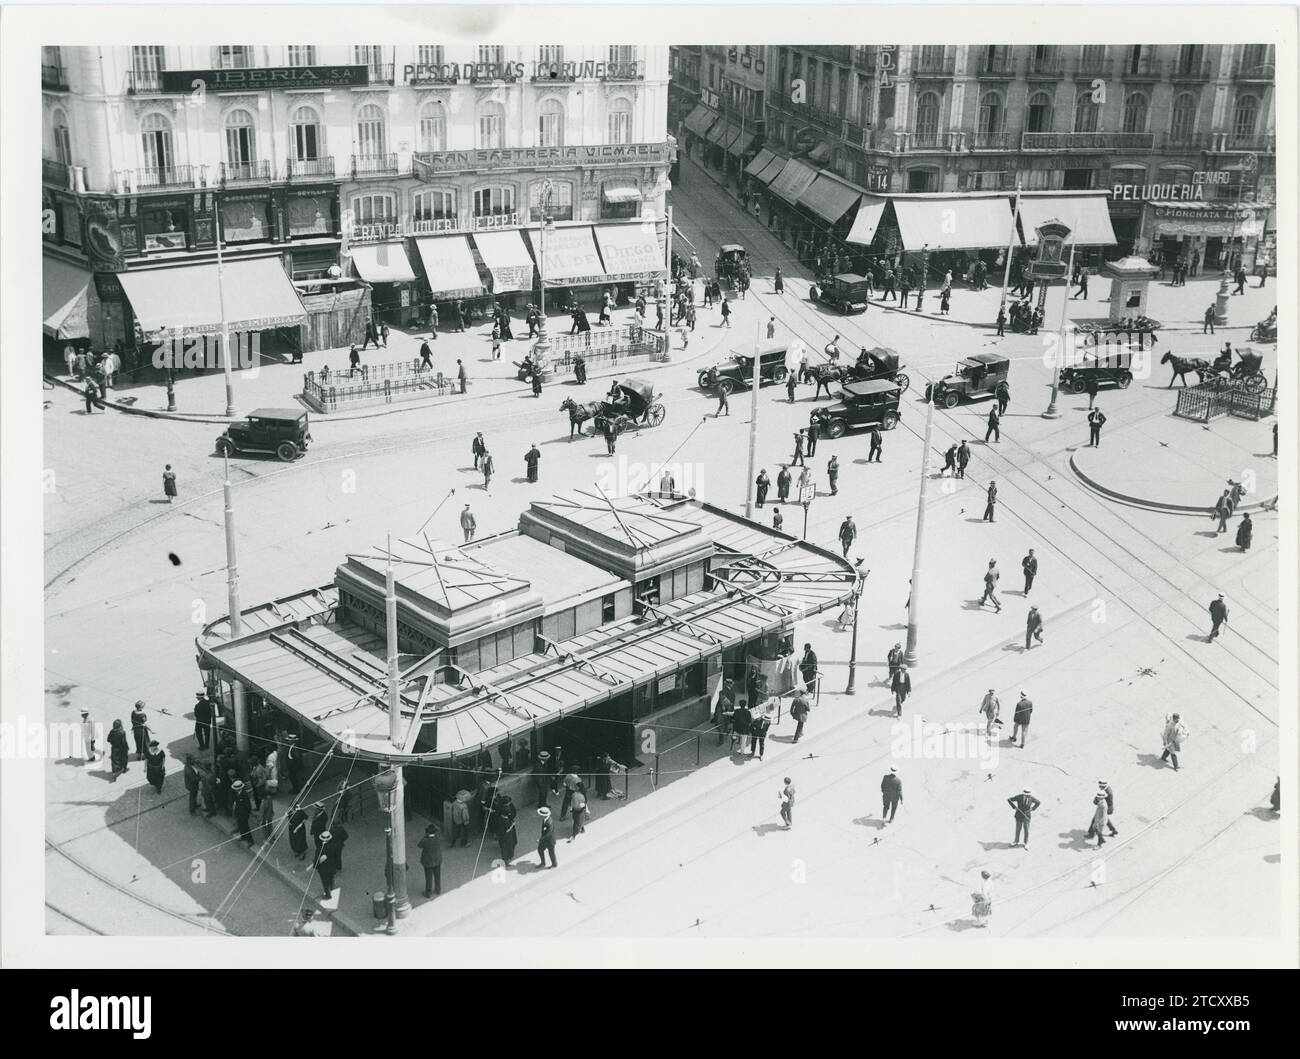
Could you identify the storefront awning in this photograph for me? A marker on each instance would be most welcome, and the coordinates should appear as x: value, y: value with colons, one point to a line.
x: 738, y: 146
x: 701, y: 119
x: 188, y: 299
x: 621, y: 193
x: 867, y: 220
x: 382, y: 263
x: 570, y: 257
x: 449, y: 266
x: 829, y: 198
x: 630, y: 251
x: 793, y: 180
x: 953, y: 223
x: 1087, y: 215
x: 63, y: 299
x: 760, y: 162
x: 770, y: 171
x: 507, y: 259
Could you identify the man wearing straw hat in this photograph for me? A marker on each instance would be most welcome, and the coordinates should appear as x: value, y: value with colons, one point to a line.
x: 546, y: 841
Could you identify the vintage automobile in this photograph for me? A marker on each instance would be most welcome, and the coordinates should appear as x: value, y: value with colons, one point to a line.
x: 731, y: 261
x: 846, y: 292
x: 974, y: 376
x: 873, y: 403
x: 738, y: 372
x: 283, y: 431
x: 1108, y: 365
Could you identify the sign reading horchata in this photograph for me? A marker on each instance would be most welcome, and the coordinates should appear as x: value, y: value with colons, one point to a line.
x: 433, y: 163
x: 1209, y: 213
x: 256, y: 78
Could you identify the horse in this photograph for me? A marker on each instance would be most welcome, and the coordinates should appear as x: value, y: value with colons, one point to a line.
x: 579, y: 413
x: 1182, y: 366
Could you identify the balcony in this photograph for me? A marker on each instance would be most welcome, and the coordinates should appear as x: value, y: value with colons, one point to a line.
x: 375, y: 232
x: 1246, y: 68
x: 994, y: 141
x: 245, y: 173
x: 1187, y: 141
x: 374, y: 165
x: 380, y: 73
x: 144, y: 81
x: 996, y: 66
x: 624, y: 71
x: 152, y: 179
x: 496, y: 220
x: 1246, y: 144
x: 300, y: 168
x: 1145, y: 67
x: 1045, y: 65
x: 1087, y: 141
x: 1198, y: 71
x: 54, y: 173
x: 831, y: 123
x: 989, y: 181
x: 560, y: 76
x: 53, y: 78
x: 838, y: 53
x: 925, y: 63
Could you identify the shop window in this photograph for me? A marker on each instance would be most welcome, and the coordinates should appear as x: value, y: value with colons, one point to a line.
x: 433, y: 126
x: 310, y: 215
x: 164, y: 229
x: 1039, y: 113
x: 371, y: 138
x: 245, y: 222
x: 550, y: 124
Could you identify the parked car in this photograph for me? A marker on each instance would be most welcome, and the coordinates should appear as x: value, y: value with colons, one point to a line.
x: 846, y: 292
x: 873, y: 403
x: 283, y: 431
x: 975, y: 376
x: 1105, y: 365
x: 738, y: 372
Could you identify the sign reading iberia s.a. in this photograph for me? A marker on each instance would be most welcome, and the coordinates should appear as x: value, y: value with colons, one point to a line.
x: 265, y: 77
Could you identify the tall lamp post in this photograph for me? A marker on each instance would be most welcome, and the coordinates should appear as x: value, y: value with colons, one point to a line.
x: 914, y: 601
x: 1011, y: 249
x: 858, y: 585
x: 237, y: 704
x: 225, y: 325
x: 386, y: 785
x: 1058, y: 360
x: 542, y: 347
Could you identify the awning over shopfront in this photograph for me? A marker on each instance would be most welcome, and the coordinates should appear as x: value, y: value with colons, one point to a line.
x: 1205, y: 219
x: 382, y: 263
x: 1087, y: 215
x: 570, y: 259
x: 956, y: 222
x: 793, y: 180
x: 630, y: 251
x: 761, y: 161
x: 866, y: 221
x: 772, y: 170
x: 621, y: 193
x: 188, y: 299
x: 701, y: 119
x: 738, y: 146
x: 449, y: 266
x: 507, y: 259
x: 829, y: 198
x: 63, y: 300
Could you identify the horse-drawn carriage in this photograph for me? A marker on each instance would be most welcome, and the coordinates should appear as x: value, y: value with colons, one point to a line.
x: 630, y: 404
x: 872, y: 364
x: 731, y: 261
x: 1249, y: 369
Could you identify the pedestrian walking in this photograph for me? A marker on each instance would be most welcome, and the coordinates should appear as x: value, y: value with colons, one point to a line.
x: 945, y: 298
x: 1002, y: 321
x: 797, y: 459
x: 783, y: 480
x: 488, y: 466
x: 877, y: 446
x: 430, y: 847
x: 383, y: 333
x: 320, y: 825
x: 891, y: 794
x: 1003, y: 393
x: 904, y: 289
x: 169, y: 483
x: 117, y: 748
x: 1240, y: 277
x: 771, y: 327
x: 1096, y: 420
x: 426, y: 354
x: 531, y: 459
x: 982, y: 900
x: 155, y: 762
x: 354, y: 360
x: 468, y: 523
x: 91, y: 395
x: 991, y: 499
x: 87, y: 738
x: 578, y: 811
x: 1082, y: 292
x: 901, y: 686
x: 790, y: 383
x: 1029, y: 565
x: 243, y: 811
x: 1218, y: 616
x: 991, y: 710
x: 1020, y: 719
x: 726, y: 313
x: 326, y: 869
x: 372, y: 334
x: 1104, y: 789
x: 894, y: 660
x: 1207, y: 320
x: 1173, y: 736
x: 580, y: 369
x: 963, y: 458
x: 1245, y: 532
x: 808, y: 669
x: 1090, y: 388
x: 1033, y: 627
x: 610, y: 430
x: 1099, y: 819
x: 799, y: 711
x: 833, y: 474
x: 787, y: 803
x: 848, y: 534
x: 811, y: 433
x: 761, y: 485
x: 460, y: 818
x: 1024, y: 805
x: 298, y: 832
x: 203, y: 713
x: 758, y: 729
x: 546, y: 840
x: 950, y: 460
x: 257, y: 776
x: 723, y: 407
x: 778, y: 282
x: 507, y: 835
x: 1222, y: 511
x: 463, y: 376
x: 994, y: 427
x: 140, y: 729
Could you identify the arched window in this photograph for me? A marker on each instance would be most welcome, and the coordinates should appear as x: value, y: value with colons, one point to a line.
x: 433, y: 126
x: 1086, y: 112
x: 550, y: 123
x: 491, y: 126
x: 1182, y: 122
x: 620, y: 121
x: 156, y: 143
x: 241, y: 138
x: 927, y: 119
x: 560, y: 207
x: 1039, y: 114
x: 864, y: 101
x: 62, y: 138
x: 1245, y: 115
x: 435, y: 204
x: 372, y: 140
x: 1135, y: 112
x: 306, y: 134
x: 993, y: 114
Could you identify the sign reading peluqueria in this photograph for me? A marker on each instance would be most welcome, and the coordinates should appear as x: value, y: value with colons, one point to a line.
x: 429, y: 163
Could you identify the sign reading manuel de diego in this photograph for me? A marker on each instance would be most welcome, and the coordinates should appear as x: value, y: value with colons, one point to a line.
x: 265, y: 77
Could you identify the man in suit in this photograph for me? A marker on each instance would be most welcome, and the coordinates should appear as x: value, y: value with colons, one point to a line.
x: 1096, y: 420
x: 895, y: 660
x: 891, y: 793
x: 901, y: 686
x: 991, y: 576
x: 1020, y: 719
x: 995, y: 426
x: 431, y: 860
x: 992, y: 499
x: 990, y: 707
x: 808, y: 668
x: 758, y: 729
x: 1103, y: 788
x: 1029, y: 564
x: 1218, y: 615
x: 1024, y: 805
x: 799, y: 711
x: 963, y: 458
x: 203, y: 720
x: 877, y: 446
x: 546, y: 840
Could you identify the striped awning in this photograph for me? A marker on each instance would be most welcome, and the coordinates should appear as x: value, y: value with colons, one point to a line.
x: 866, y: 221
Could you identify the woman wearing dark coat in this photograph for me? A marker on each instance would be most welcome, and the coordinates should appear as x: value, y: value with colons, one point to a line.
x: 155, y: 765
x: 507, y: 835
x: 606, y: 766
x: 118, y: 751
x: 1245, y: 531
x: 298, y: 832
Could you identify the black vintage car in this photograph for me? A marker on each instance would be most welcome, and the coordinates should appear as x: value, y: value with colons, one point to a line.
x: 975, y: 376
x: 1109, y: 365
x: 846, y: 292
x: 282, y: 431
x: 738, y: 372
x: 873, y: 403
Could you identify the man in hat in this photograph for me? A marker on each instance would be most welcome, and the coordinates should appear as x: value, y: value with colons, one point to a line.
x: 572, y: 782
x: 799, y: 711
x: 1033, y: 627
x: 87, y: 738
x: 203, y: 719
x: 325, y: 866
x: 1174, y: 734
x: 320, y: 824
x: 891, y: 793
x: 307, y: 927
x: 1218, y: 615
x: 294, y: 761
x: 992, y: 499
x: 991, y: 708
x: 1024, y: 805
x: 758, y: 729
x: 507, y: 835
x: 431, y: 860
x: 1103, y: 788
x: 243, y: 812
x: 808, y: 668
x: 894, y: 660
x: 1020, y: 719
x: 298, y: 832
x: 191, y: 775
x: 901, y: 686
x: 155, y: 765
x: 531, y: 458
x: 1029, y: 564
x: 542, y: 776
x: 787, y: 803
x: 546, y: 841
x: 991, y: 576
x: 140, y: 730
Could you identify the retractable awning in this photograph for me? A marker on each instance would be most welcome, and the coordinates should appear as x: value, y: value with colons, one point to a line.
x: 829, y: 198
x: 1087, y: 215
x: 953, y: 223
x: 507, y: 259
x: 621, y: 192
x: 449, y: 266
x: 63, y: 299
x: 760, y: 162
x: 188, y: 299
x: 570, y: 257
x: 630, y: 251
x: 772, y: 170
x: 701, y: 119
x: 793, y: 180
x: 744, y: 137
x: 382, y: 263
x: 866, y: 221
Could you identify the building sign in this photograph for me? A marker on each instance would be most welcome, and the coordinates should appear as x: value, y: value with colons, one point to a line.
x: 257, y: 78
x: 1208, y: 213
x: 450, y: 73
x: 429, y: 164
x: 877, y: 178
x: 1146, y: 192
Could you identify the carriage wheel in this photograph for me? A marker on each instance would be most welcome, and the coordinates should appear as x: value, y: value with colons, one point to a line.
x: 1256, y: 381
x: 657, y: 414
x: 902, y: 381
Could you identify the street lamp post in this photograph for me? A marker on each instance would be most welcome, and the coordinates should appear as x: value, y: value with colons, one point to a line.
x: 225, y: 325
x: 386, y: 784
x: 1058, y: 359
x: 542, y: 347
x: 858, y: 584
x: 1011, y: 249
x: 237, y: 704
x: 914, y: 602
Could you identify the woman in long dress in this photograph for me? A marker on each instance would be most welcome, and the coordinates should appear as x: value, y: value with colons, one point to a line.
x: 982, y: 898
x: 118, y: 752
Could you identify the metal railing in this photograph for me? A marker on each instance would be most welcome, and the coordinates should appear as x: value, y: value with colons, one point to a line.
x: 1048, y: 65
x: 245, y: 172
x: 380, y: 73
x: 373, y: 382
x: 1093, y: 62
x: 1214, y: 398
x: 925, y: 62
x: 374, y: 165
x: 606, y: 346
x: 1187, y: 141
x: 1087, y: 141
x: 1242, y: 70
x: 172, y: 176
x: 295, y: 168
x: 144, y: 81
x: 995, y: 66
x: 1147, y: 66
x: 1179, y: 70
x: 994, y: 141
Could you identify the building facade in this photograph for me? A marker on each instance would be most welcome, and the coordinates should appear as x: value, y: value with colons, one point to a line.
x: 726, y: 120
